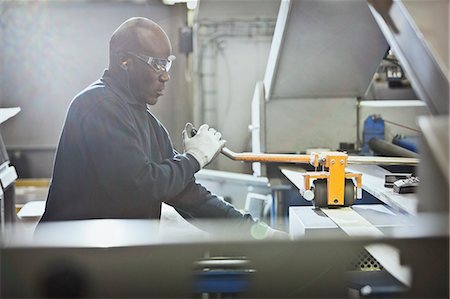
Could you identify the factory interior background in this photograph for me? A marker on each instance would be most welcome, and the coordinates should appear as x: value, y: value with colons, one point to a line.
x: 310, y: 78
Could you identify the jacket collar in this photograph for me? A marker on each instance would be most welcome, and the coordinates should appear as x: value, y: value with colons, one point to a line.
x: 121, y: 89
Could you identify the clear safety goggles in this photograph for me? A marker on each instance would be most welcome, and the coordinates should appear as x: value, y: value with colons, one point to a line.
x: 158, y: 64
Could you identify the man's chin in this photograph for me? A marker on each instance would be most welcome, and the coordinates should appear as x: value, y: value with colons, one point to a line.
x: 152, y: 100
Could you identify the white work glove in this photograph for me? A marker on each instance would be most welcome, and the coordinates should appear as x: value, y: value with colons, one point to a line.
x: 204, y: 146
x: 275, y: 234
x: 261, y: 231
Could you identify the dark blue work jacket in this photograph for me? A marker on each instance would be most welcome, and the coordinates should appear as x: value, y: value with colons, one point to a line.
x: 116, y: 160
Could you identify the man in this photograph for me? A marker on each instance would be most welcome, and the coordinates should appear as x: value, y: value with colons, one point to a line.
x: 115, y: 159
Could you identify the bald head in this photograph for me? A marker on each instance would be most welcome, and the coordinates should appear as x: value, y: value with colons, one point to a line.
x: 130, y: 49
x: 138, y: 35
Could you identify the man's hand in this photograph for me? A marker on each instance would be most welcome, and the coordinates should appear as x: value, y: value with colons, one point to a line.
x: 204, y: 146
x: 262, y: 231
x: 274, y: 234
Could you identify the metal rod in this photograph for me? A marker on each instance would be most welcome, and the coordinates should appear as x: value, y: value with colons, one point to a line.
x: 252, y: 157
x: 304, y: 159
x: 382, y: 160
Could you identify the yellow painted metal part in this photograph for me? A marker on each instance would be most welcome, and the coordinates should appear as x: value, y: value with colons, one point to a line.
x: 308, y: 176
x: 336, y: 163
x: 356, y: 176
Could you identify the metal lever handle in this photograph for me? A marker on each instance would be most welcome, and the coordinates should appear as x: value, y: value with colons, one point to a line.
x: 304, y: 159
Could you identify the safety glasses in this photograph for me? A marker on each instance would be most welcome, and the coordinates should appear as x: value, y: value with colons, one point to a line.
x: 158, y: 64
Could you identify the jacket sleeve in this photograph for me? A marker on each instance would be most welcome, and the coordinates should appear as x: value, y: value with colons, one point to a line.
x: 122, y: 167
x: 196, y: 202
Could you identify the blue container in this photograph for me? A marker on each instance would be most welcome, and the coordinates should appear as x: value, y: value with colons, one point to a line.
x: 409, y: 142
x: 373, y: 128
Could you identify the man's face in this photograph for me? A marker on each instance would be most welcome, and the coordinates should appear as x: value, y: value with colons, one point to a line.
x: 147, y: 83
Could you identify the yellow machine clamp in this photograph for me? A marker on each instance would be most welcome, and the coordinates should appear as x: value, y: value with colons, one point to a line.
x: 339, y: 185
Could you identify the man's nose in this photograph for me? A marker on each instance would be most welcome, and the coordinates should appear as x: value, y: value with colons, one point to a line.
x: 164, y: 77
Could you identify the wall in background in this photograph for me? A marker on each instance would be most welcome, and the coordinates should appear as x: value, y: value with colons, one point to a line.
x: 233, y: 40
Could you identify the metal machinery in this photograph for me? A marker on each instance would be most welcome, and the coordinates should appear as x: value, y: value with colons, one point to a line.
x: 322, y: 61
x: 320, y: 66
x: 136, y: 259
x: 8, y: 175
x: 334, y: 187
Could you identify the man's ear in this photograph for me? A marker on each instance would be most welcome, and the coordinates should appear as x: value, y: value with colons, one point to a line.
x: 124, y: 65
x: 123, y: 62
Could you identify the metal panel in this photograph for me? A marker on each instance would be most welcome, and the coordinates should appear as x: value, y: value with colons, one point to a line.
x: 273, y: 269
x: 294, y: 125
x: 237, y: 9
x: 329, y: 49
x: 373, y: 182
x: 257, y: 128
x: 434, y: 169
x: 418, y: 34
x: 432, y: 19
x: 275, y: 47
